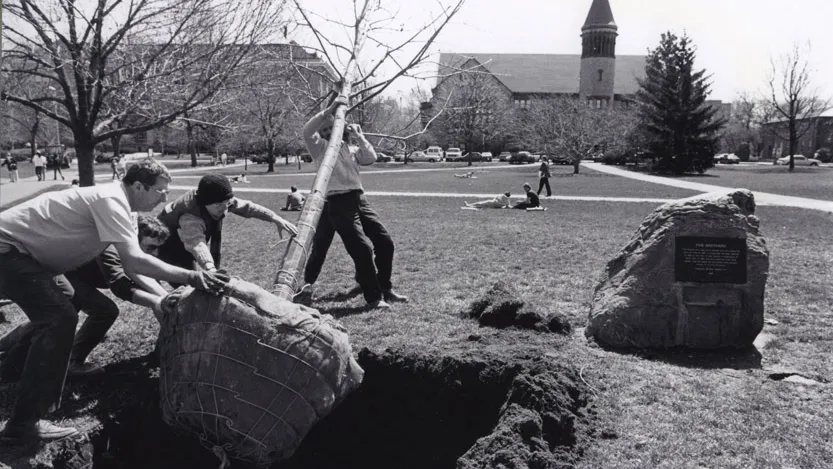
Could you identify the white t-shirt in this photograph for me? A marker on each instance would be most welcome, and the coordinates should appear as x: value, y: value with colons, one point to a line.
x: 65, y: 229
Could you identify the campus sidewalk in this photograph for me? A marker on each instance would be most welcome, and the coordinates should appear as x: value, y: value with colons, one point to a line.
x: 26, y: 188
x: 761, y: 198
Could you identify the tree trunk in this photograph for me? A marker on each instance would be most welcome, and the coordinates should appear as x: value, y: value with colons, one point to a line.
x: 793, y: 144
x: 576, y: 164
x: 270, y: 156
x: 189, y: 137
x: 116, y: 142
x: 84, y: 154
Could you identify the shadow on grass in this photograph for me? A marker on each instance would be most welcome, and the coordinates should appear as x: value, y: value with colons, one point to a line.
x: 748, y: 358
x: 343, y: 311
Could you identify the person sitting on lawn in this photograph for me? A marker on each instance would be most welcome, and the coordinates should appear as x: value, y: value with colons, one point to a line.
x: 195, y: 221
x: 499, y: 201
x: 106, y: 271
x: 531, y: 201
x: 54, y: 233
x: 294, y: 201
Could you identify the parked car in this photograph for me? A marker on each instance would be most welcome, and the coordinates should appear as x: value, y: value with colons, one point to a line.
x: 418, y: 156
x: 383, y: 157
x: 452, y: 153
x: 258, y: 159
x: 504, y: 156
x: 103, y: 158
x: 561, y: 159
x: 521, y: 157
x: 799, y: 160
x: 726, y: 158
x: 306, y: 157
x: 486, y: 155
x: 399, y: 156
x: 434, y: 153
x: 474, y: 155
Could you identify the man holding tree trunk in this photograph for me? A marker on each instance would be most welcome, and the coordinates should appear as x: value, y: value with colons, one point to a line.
x: 348, y: 213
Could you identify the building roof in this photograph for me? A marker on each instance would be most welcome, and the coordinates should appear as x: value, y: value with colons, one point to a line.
x: 600, y: 14
x: 546, y: 73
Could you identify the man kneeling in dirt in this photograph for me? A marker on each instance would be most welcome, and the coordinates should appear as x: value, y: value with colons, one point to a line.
x: 82, y: 286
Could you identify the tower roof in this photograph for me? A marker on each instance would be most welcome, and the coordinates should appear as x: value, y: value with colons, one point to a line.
x: 600, y: 15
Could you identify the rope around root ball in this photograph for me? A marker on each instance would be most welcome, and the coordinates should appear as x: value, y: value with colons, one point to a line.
x: 221, y: 453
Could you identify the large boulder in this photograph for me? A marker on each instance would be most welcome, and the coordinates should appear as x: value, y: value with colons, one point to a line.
x: 249, y: 373
x: 681, y: 279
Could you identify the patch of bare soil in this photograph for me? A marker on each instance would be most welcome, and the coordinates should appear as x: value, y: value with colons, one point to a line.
x: 412, y: 411
x: 501, y: 306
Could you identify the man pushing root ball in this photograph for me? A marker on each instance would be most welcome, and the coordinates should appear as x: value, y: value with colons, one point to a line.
x: 55, y: 233
x: 195, y: 221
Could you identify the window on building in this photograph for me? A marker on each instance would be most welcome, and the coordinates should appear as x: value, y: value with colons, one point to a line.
x: 601, y: 74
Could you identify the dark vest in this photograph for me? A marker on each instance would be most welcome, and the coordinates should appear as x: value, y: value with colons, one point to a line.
x: 187, y: 203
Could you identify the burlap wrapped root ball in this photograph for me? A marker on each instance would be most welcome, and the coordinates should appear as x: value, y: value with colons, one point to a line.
x: 249, y: 372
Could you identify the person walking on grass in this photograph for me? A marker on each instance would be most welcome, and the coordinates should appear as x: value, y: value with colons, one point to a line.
x: 544, y: 176
x: 531, y: 200
x: 10, y: 163
x: 348, y: 213
x: 195, y: 221
x: 53, y: 234
x: 82, y: 285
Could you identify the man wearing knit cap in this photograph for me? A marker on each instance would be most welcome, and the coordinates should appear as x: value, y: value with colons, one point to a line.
x: 348, y: 213
x: 195, y: 221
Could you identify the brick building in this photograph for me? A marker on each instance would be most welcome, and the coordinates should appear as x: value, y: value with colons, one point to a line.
x: 819, y: 134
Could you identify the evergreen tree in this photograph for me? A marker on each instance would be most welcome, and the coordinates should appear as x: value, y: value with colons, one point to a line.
x: 682, y: 131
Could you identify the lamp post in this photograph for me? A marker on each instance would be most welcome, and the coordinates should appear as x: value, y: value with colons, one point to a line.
x: 57, y: 126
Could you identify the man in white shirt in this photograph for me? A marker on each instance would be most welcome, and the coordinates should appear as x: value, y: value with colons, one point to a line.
x: 39, y: 161
x: 54, y: 233
x: 348, y: 213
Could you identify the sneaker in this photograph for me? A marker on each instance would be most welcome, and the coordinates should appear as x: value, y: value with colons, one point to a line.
x: 378, y: 305
x: 304, y: 296
x: 42, y: 430
x: 84, y: 369
x: 392, y: 297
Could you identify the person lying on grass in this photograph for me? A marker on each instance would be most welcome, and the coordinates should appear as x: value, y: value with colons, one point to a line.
x: 195, y: 221
x: 106, y: 271
x: 499, y: 201
x: 57, y: 232
x: 531, y: 201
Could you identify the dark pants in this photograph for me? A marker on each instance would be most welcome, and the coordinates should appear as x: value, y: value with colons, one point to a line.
x: 362, y: 233
x: 39, y: 173
x: 55, y: 172
x: 48, y: 344
x: 524, y: 205
x: 544, y: 182
x: 101, y: 312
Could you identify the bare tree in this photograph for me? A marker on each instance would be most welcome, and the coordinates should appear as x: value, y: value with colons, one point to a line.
x: 355, y: 68
x: 571, y: 128
x: 793, y: 98
x: 154, y: 60
x: 479, y: 112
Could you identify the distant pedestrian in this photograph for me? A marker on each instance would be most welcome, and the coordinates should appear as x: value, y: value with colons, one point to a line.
x: 10, y: 163
x: 544, y: 176
x: 40, y: 166
x: 115, y: 166
x: 531, y: 201
x: 54, y: 163
x: 223, y: 159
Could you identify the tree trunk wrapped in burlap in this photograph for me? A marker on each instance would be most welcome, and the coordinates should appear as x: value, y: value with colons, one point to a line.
x: 248, y: 372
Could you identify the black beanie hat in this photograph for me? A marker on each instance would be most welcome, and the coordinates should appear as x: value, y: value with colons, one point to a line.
x: 213, y: 188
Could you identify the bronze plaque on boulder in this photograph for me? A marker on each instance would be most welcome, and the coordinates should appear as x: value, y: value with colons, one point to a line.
x: 709, y: 259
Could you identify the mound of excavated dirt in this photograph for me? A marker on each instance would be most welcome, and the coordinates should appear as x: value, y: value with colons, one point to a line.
x: 502, y: 307
x: 412, y: 411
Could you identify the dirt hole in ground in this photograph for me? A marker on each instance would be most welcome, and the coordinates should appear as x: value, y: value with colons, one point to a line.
x: 412, y: 411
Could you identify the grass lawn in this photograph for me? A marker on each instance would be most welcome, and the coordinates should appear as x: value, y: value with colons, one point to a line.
x: 654, y: 411
x: 811, y: 182
x: 490, y: 180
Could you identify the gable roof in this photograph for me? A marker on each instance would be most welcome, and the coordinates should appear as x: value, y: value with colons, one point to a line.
x: 546, y: 73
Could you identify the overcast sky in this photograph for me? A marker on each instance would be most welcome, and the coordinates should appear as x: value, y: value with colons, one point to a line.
x: 735, y: 38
